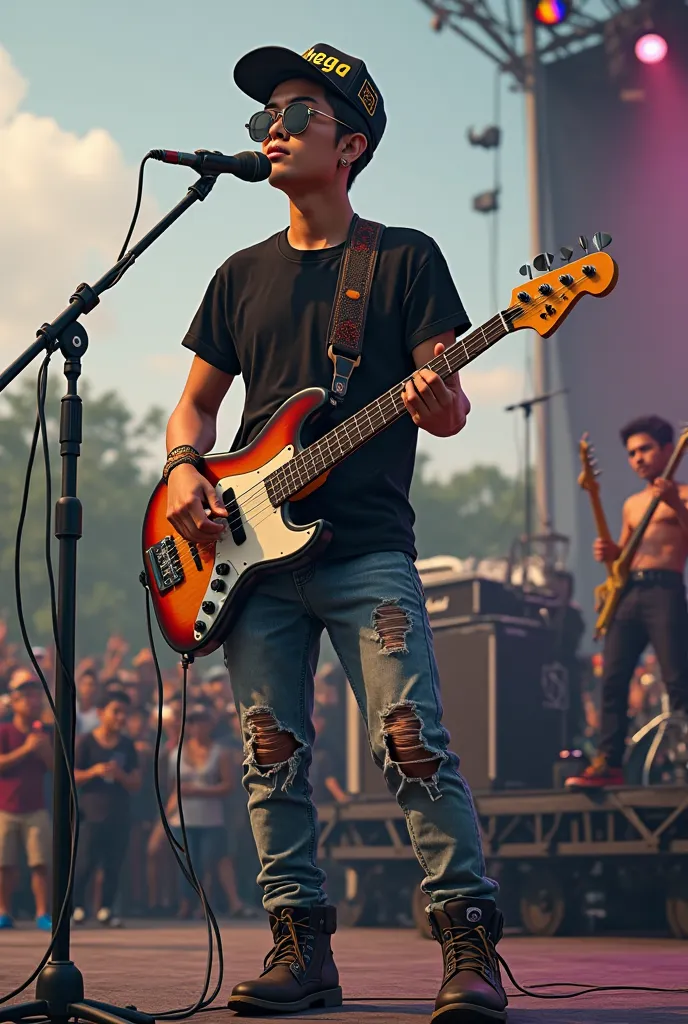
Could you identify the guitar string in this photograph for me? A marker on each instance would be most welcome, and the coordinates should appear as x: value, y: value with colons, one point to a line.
x: 471, y: 352
x: 264, y: 507
x: 259, y: 491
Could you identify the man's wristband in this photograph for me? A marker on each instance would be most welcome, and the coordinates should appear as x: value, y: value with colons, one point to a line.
x: 183, y: 449
x: 181, y: 460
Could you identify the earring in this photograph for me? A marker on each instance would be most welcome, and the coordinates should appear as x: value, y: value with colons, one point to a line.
x: 344, y: 162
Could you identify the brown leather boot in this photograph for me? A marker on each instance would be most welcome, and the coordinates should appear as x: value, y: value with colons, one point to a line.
x: 300, y: 972
x: 471, y: 992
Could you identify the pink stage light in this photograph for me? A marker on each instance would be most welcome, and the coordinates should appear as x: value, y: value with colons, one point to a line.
x: 651, y: 49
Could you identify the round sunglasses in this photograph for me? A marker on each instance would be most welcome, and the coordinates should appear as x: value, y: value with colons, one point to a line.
x: 295, y: 119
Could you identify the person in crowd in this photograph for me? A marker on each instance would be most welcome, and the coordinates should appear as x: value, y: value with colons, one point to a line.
x: 161, y: 867
x: 144, y: 666
x: 87, y: 690
x: 25, y: 757
x: 326, y: 774
x: 144, y: 810
x: 107, y: 773
x: 205, y: 779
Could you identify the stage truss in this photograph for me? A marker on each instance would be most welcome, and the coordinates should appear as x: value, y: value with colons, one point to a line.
x: 496, y: 29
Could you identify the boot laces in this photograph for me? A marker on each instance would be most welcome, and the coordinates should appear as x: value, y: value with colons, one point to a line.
x: 290, y: 941
x: 468, y: 949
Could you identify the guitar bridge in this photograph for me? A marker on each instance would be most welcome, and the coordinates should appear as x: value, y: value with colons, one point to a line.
x: 165, y: 564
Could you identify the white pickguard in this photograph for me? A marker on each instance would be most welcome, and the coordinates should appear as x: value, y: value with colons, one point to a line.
x: 267, y: 535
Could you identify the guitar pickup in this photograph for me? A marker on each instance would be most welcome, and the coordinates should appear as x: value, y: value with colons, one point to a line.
x: 165, y: 565
x: 234, y: 520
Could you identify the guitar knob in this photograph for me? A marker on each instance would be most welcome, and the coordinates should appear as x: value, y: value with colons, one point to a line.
x: 208, y: 607
x: 566, y: 279
x: 222, y: 569
x: 200, y: 627
x: 218, y: 586
x: 545, y: 289
x: 588, y: 270
x: 523, y: 297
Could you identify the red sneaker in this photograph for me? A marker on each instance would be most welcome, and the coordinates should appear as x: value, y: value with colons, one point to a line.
x: 598, y: 775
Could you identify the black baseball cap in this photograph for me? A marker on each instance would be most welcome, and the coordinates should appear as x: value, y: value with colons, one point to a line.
x: 260, y: 71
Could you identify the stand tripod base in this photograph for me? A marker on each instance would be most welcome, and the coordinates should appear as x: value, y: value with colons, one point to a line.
x: 60, y: 997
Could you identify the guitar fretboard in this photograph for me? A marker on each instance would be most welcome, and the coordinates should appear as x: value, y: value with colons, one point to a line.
x: 344, y: 439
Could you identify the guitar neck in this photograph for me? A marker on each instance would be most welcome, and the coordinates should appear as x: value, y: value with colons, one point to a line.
x: 601, y: 524
x: 331, y: 449
x: 630, y: 550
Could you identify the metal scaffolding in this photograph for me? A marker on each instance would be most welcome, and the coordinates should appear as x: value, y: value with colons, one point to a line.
x: 499, y: 29
x: 506, y: 32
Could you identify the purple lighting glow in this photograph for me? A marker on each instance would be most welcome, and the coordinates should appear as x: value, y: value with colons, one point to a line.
x: 651, y: 49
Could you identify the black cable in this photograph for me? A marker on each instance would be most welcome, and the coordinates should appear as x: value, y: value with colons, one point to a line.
x: 586, y: 989
x: 137, y: 208
x: 203, y: 1002
x: 40, y: 429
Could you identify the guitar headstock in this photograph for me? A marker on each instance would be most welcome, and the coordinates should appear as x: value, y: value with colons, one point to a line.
x: 589, y: 473
x: 542, y: 303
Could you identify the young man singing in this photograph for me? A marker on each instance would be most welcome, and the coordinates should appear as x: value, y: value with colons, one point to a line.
x: 106, y: 769
x: 265, y: 316
x: 653, y: 607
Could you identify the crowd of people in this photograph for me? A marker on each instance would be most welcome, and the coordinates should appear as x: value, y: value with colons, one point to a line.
x: 125, y: 866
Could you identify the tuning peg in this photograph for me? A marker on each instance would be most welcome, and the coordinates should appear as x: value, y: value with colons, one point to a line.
x: 526, y: 271
x: 565, y: 253
x: 601, y: 240
x: 583, y: 242
x: 543, y: 261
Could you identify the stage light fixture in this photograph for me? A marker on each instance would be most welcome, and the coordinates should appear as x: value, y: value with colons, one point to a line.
x: 551, y: 12
x: 651, y: 48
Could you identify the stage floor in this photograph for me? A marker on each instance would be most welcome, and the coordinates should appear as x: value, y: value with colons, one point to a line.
x: 159, y: 968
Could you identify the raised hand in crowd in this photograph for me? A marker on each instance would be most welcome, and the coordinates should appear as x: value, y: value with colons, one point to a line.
x: 115, y: 651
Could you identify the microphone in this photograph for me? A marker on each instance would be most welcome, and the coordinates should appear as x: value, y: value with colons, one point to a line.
x: 248, y: 166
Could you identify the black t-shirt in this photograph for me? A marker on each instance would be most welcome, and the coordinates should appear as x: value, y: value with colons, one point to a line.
x: 265, y: 315
x: 100, y: 799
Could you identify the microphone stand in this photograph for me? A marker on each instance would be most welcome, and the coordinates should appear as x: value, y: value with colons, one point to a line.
x: 60, y: 985
x: 526, y: 407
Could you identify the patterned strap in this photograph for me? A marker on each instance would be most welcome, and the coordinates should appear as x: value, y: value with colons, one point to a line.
x: 347, y: 323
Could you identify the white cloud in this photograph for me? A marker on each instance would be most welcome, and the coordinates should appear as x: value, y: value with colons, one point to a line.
x: 65, y: 204
x: 498, y: 384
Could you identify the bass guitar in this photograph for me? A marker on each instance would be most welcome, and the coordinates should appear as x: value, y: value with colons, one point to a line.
x: 197, y: 592
x: 611, y: 590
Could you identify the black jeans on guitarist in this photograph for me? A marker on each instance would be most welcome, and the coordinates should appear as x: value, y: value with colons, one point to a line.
x: 652, y: 610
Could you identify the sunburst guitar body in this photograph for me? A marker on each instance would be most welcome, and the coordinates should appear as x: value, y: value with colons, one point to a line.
x: 198, y: 592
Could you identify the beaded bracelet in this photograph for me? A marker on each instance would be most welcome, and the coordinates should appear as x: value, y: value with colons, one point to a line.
x: 192, y: 460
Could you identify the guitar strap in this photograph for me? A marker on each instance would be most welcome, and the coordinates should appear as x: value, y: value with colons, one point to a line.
x: 347, y: 322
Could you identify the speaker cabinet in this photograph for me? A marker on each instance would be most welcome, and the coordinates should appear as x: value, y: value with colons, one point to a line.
x: 505, y: 706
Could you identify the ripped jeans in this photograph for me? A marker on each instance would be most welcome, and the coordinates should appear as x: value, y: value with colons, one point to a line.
x: 374, y: 611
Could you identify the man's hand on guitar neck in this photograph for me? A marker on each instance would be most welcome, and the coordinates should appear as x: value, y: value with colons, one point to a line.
x: 668, y: 491
x: 436, y: 405
x: 190, y: 497
x: 605, y: 550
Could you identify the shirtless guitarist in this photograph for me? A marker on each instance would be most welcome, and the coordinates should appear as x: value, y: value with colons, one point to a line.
x: 653, y: 607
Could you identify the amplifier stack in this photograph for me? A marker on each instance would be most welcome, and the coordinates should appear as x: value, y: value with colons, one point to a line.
x: 505, y: 697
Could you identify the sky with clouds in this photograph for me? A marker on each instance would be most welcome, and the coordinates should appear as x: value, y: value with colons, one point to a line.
x: 87, y: 89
